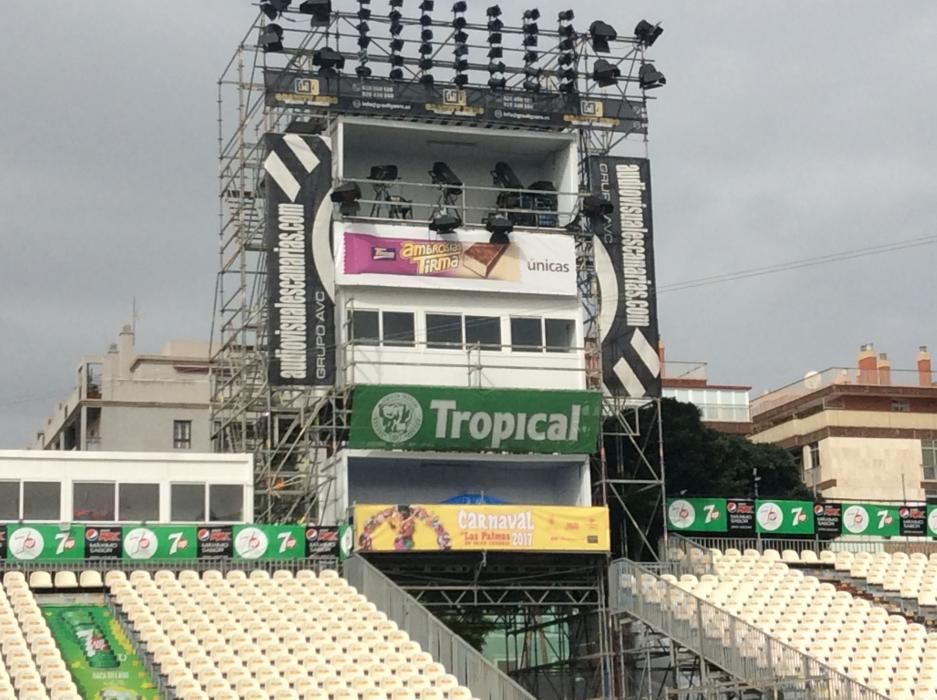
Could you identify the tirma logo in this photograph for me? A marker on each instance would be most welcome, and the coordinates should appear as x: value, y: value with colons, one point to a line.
x: 397, y: 417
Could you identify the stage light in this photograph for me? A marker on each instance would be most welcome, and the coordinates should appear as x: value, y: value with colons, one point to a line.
x: 364, y: 41
x: 460, y: 37
x: 568, y: 74
x: 567, y: 88
x: 647, y: 33
x: 461, y: 79
x: 493, y: 11
x: 460, y: 50
x: 395, y: 16
x: 499, y: 226
x: 458, y: 23
x: 395, y: 29
x: 533, y: 14
x: 274, y: 8
x: 529, y: 40
x: 395, y: 59
x: 495, y: 25
x: 425, y: 63
x: 271, y: 38
x: 497, y: 83
x: 363, y: 27
x: 442, y: 174
x: 396, y: 3
x: 566, y: 16
x: 396, y: 45
x: 461, y: 65
x: 328, y: 59
x: 566, y: 59
x: 321, y: 10
x: 605, y: 73
x: 427, y: 5
x: 649, y: 77
x: 396, y: 74
x: 503, y: 176
x: 531, y: 57
x: 445, y: 223
x: 363, y: 71
x: 460, y: 6
x: 601, y: 34
x: 427, y: 79
x: 496, y: 52
x: 364, y: 13
x: 498, y: 238
x: 567, y: 46
x: 532, y: 85
x: 495, y: 38
x: 426, y: 48
x: 593, y: 205
x: 498, y: 67
x: 425, y: 20
x: 346, y: 196
x: 426, y: 35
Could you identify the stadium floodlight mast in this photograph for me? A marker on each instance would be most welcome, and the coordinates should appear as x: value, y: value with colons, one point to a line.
x: 271, y: 38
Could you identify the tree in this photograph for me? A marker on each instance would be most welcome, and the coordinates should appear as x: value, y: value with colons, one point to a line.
x: 698, y: 461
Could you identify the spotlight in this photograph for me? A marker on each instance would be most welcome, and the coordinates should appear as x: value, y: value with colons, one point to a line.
x: 395, y: 16
x: 425, y: 63
x: 396, y: 3
x: 566, y: 31
x: 328, y: 59
x: 271, y: 39
x: 647, y: 33
x: 567, y: 87
x: 499, y: 238
x: 427, y: 79
x: 461, y: 79
x: 567, y: 46
x: 427, y: 5
x: 395, y: 29
x: 426, y: 35
x: 605, y: 73
x: 274, y: 8
x: 445, y: 223
x: 601, y: 34
x: 496, y: 52
x: 461, y: 65
x: 426, y: 48
x: 533, y: 14
x: 566, y: 58
x: 396, y: 60
x: 363, y: 27
x: 649, y: 77
x: 460, y: 6
x: 503, y: 176
x: 425, y: 20
x: 532, y: 85
x: 460, y: 50
x: 499, y: 226
x: 497, y: 67
x: 531, y: 57
x: 495, y: 25
x: 460, y: 37
x: 458, y: 23
x: 497, y: 83
x: 442, y: 174
x: 493, y: 11
x: 593, y: 205
x: 566, y: 16
x: 530, y: 40
x: 364, y: 41
x: 364, y: 13
x: 495, y: 38
x: 396, y: 45
x: 395, y: 74
x: 346, y: 196
x: 363, y: 71
x: 568, y: 74
x: 320, y: 10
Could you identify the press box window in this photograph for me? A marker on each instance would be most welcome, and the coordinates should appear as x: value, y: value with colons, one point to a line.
x: 226, y: 503
x: 9, y: 500
x: 181, y: 434
x: 138, y: 502
x: 484, y: 330
x: 187, y: 503
x: 527, y: 334
x: 42, y: 500
x: 560, y: 333
x: 93, y: 501
x: 443, y: 331
x: 398, y: 328
x: 365, y: 327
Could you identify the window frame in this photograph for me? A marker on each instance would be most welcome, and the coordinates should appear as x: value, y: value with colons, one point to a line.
x: 172, y: 501
x: 183, y: 442
x: 527, y: 348
x: 445, y: 345
x: 120, y: 487
x: 929, y: 459
x: 364, y: 341
x: 393, y: 343
x: 87, y: 482
x: 480, y: 344
x: 18, y: 489
x: 208, y: 512
x: 571, y: 347
x: 58, y: 515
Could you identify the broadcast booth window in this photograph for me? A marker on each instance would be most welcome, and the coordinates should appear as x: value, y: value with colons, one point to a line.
x: 443, y: 331
x: 187, y: 502
x: 365, y: 327
x: 484, y: 330
x: 397, y: 328
x: 9, y: 500
x: 527, y: 334
x: 93, y: 501
x: 226, y: 503
x: 137, y: 502
x: 42, y: 500
x: 560, y: 333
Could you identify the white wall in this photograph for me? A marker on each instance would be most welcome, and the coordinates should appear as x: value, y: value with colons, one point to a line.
x: 149, y: 428
x: 872, y: 468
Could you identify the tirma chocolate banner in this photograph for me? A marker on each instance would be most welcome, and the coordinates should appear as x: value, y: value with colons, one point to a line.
x: 433, y: 528
x: 532, y: 263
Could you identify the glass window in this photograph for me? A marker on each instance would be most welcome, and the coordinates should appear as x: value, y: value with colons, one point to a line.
x: 42, y: 500
x: 364, y: 327
x: 560, y: 333
x: 484, y: 330
x: 526, y: 334
x: 93, y: 501
x: 900, y: 405
x: 815, y: 456
x: 187, y: 503
x: 182, y: 434
x: 398, y: 328
x: 226, y: 502
x: 9, y: 500
x: 137, y: 502
x: 443, y: 331
x: 929, y: 458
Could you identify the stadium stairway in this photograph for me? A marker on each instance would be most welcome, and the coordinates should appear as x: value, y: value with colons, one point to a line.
x: 255, y: 635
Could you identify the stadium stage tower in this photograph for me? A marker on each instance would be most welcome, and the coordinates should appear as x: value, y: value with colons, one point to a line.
x: 436, y: 289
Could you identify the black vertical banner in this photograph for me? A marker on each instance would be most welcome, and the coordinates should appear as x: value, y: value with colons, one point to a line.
x: 624, y: 266
x: 300, y: 263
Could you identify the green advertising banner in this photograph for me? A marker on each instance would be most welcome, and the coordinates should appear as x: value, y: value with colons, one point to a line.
x: 159, y: 542
x: 784, y: 517
x: 265, y: 542
x: 696, y: 515
x: 45, y: 542
x: 871, y: 519
x: 468, y: 419
x: 932, y: 521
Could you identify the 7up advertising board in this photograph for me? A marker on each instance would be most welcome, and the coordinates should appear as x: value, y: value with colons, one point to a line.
x: 464, y: 419
x: 264, y: 542
x: 696, y: 515
x: 45, y: 542
x: 784, y: 517
x: 869, y: 519
x: 159, y: 542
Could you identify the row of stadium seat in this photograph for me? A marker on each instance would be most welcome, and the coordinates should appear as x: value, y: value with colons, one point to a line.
x: 850, y: 634
x: 911, y: 576
x: 282, y: 637
x: 30, y: 665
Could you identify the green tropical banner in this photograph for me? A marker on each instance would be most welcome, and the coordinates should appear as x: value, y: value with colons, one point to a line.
x: 98, y: 654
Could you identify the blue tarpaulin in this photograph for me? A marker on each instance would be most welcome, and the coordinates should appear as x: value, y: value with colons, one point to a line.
x: 475, y: 498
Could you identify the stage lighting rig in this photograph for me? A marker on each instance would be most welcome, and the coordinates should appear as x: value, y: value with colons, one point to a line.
x: 346, y: 196
x: 602, y: 33
x: 647, y: 33
x: 649, y: 77
x: 567, y: 57
x: 271, y: 38
x: 444, y: 224
x: 321, y: 11
x: 274, y: 8
x: 531, y: 31
x: 426, y: 47
x: 500, y: 227
x: 362, y: 70
x: 460, y: 39
x: 605, y: 73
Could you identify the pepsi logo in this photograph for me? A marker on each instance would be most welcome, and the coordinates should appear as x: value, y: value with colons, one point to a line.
x: 203, y: 534
x: 91, y: 534
x: 312, y: 534
x: 731, y: 506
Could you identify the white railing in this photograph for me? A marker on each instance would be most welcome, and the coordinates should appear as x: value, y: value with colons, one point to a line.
x: 719, y: 637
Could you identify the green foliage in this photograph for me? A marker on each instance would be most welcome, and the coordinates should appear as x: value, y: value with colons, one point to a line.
x: 470, y: 623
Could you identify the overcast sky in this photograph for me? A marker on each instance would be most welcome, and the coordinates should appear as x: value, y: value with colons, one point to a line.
x: 786, y: 130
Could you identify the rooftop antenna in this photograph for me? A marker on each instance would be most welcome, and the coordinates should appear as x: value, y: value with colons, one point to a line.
x: 133, y: 315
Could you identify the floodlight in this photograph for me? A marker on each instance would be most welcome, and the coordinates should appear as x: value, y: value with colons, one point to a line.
x: 533, y: 14
x: 496, y: 67
x: 460, y: 6
x: 530, y: 40
x: 445, y: 223
x: 425, y: 20
x: 395, y: 74
x: 461, y: 50
x: 395, y: 59
x: 395, y: 29
x: 364, y: 13
x: 566, y: 58
x: 496, y: 52
x: 497, y: 83
x: 271, y: 38
x: 566, y: 16
x: 395, y: 16
x: 458, y: 23
x: 567, y: 87
x: 504, y: 176
x: 605, y: 73
x: 601, y: 34
x: 493, y: 11
x: 425, y: 63
x: 647, y: 33
x: 567, y: 46
x: 495, y: 38
x: 427, y: 5
x: 495, y: 25
x: 531, y: 57
x: 396, y: 3
x: 498, y: 238
x: 346, y: 196
x: 363, y: 27
x: 426, y: 35
x: 567, y: 31
x: 426, y: 48
x: 649, y: 77
x: 328, y: 58
x: 363, y: 71
x: 364, y: 41
x: 442, y: 174
x: 461, y: 79
x: 568, y: 74
x: 460, y: 37
x: 532, y: 85
x: 274, y: 8
x: 593, y: 205
x: 461, y: 64
x: 499, y: 226
x: 427, y: 79
x: 320, y: 10
x: 396, y: 44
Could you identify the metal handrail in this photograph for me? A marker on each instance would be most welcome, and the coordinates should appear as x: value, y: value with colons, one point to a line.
x: 852, y: 544
x: 462, y: 660
x: 716, y: 635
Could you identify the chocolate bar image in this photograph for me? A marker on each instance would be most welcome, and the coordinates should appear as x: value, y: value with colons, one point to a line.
x: 481, y: 258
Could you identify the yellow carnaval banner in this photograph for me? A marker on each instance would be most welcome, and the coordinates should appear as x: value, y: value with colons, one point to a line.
x: 426, y: 528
